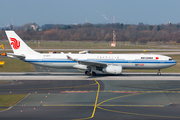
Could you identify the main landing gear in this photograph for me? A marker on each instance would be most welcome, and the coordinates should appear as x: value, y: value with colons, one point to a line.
x: 88, y: 73
x: 159, y: 72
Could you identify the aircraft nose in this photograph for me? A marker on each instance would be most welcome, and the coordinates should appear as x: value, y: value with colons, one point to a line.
x: 174, y: 62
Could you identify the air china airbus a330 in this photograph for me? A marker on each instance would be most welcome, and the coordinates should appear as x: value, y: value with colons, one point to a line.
x: 107, y: 63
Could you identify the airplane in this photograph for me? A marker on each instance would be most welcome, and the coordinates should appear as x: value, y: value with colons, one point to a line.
x: 91, y: 63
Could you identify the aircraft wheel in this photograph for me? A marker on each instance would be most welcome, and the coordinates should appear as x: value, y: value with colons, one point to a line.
x: 93, y: 74
x: 87, y: 73
x: 158, y: 73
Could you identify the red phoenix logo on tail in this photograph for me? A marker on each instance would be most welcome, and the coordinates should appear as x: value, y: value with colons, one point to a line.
x: 15, y: 43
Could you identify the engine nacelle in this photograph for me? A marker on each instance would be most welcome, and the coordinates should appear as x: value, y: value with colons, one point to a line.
x: 113, y: 69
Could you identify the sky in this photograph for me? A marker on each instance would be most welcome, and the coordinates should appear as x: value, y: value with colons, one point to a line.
x: 42, y: 12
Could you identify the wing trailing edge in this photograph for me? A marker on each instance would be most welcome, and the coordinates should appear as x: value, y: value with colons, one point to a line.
x: 87, y: 62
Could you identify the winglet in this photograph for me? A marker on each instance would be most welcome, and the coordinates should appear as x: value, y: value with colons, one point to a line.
x: 70, y: 58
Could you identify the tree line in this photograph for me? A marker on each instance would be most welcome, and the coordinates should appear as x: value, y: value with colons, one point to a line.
x: 141, y: 33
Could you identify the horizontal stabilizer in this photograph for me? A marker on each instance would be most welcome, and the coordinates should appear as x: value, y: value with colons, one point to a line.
x: 12, y: 55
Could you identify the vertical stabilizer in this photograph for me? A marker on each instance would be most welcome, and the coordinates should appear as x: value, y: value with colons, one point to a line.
x: 18, y: 45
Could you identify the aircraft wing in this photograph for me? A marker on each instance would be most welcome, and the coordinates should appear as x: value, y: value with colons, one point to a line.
x: 88, y: 63
x: 92, y: 63
x: 12, y: 55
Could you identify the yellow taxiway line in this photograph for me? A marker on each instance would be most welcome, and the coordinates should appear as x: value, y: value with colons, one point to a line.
x: 95, y: 105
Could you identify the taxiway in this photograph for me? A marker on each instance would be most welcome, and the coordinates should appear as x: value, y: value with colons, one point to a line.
x: 53, y: 99
x: 71, y: 95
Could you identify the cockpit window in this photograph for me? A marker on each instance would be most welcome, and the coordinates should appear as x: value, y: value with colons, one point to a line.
x: 170, y: 59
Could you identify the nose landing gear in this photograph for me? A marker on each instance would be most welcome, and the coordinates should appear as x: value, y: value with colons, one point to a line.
x: 159, y: 72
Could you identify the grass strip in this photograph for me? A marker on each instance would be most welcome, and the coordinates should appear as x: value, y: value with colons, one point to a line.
x: 4, y: 81
x: 10, y: 100
x: 15, y: 65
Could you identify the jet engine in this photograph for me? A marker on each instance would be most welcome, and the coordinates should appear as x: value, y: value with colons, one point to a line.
x: 113, y: 69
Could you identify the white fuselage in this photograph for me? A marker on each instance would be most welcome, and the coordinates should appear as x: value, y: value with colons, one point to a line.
x: 108, y: 63
x: 127, y: 61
